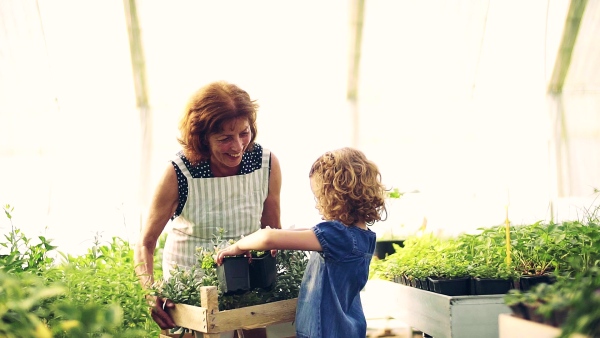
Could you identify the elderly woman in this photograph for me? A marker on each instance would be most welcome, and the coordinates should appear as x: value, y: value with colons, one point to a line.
x: 221, y: 178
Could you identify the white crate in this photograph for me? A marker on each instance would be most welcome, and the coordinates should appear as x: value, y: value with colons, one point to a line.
x: 444, y: 316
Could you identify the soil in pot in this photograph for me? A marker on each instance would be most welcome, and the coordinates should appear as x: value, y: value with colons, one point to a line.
x: 385, y: 248
x: 451, y: 286
x: 233, y: 275
x: 490, y: 286
x: 263, y: 271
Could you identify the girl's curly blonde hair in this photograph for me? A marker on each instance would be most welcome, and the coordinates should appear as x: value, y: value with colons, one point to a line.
x: 347, y: 187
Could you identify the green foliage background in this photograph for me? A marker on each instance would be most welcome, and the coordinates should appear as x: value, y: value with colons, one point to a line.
x: 93, y: 295
x: 46, y: 293
x: 568, y: 250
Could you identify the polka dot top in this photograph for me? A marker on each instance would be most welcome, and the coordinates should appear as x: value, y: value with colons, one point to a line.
x: 251, y: 161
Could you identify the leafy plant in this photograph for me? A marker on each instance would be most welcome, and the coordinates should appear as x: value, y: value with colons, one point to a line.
x: 486, y: 253
x: 105, y: 276
x: 92, y: 295
x: 394, y: 193
x: 534, y: 248
x: 23, y: 254
x: 29, y: 308
x: 572, y: 303
x: 184, y: 285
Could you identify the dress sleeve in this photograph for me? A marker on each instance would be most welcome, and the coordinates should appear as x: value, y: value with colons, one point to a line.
x: 335, y: 239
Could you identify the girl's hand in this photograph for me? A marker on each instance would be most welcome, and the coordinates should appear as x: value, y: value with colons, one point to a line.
x: 231, y: 250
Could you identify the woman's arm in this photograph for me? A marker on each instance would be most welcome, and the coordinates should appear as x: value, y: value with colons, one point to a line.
x: 268, y: 239
x: 162, y: 207
x: 271, y: 209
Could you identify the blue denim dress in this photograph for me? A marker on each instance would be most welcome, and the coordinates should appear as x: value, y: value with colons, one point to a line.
x: 329, y: 303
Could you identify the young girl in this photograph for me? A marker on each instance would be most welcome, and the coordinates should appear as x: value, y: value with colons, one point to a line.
x: 349, y: 196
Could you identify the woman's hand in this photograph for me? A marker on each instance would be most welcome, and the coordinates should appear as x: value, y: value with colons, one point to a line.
x: 158, y: 311
x: 232, y: 250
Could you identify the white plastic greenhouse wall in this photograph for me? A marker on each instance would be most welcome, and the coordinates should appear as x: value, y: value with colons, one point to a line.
x: 453, y: 104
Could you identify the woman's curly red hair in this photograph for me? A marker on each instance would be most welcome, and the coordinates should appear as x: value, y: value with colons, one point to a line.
x: 206, y: 112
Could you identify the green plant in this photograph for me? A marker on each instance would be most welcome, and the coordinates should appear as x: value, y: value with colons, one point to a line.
x: 184, y: 285
x: 572, y: 303
x: 534, y: 248
x: 486, y: 253
x: 394, y: 193
x: 258, y: 253
x: 24, y: 254
x: 29, y: 308
x: 582, y: 293
x: 93, y: 295
x: 105, y: 276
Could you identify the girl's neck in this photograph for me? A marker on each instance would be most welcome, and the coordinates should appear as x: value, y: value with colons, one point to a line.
x: 361, y: 225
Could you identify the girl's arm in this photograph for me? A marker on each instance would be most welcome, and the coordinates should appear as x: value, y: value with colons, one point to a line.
x: 268, y: 239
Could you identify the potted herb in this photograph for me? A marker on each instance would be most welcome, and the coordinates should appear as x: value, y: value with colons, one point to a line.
x: 490, y: 271
x: 263, y: 270
x: 450, y: 270
x: 534, y: 249
x: 234, y: 275
x: 491, y: 279
x: 289, y: 265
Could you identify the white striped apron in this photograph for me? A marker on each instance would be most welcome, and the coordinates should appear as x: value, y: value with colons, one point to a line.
x: 234, y: 203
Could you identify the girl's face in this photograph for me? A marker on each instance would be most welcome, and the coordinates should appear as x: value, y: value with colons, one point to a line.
x: 228, y: 146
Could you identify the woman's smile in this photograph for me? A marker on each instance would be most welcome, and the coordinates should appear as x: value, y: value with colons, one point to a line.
x: 228, y: 146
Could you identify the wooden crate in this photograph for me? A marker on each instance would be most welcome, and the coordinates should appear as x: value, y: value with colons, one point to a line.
x: 166, y: 334
x: 511, y: 326
x: 208, y: 320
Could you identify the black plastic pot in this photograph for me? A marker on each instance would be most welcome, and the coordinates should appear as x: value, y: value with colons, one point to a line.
x: 233, y: 275
x: 423, y: 283
x: 528, y: 282
x: 451, y: 286
x: 490, y: 286
x: 385, y: 248
x: 399, y: 280
x: 519, y: 310
x: 263, y: 271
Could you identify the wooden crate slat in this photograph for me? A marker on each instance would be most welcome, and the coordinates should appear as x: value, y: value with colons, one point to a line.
x: 190, y: 317
x: 208, y: 319
x: 253, y: 316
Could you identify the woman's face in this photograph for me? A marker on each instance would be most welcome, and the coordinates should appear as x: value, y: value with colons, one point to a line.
x: 227, y: 147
